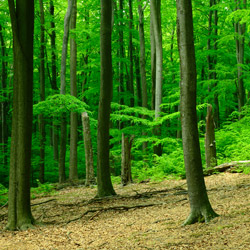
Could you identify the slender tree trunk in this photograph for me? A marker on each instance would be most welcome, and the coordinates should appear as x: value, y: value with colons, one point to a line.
x: 210, y: 146
x: 156, y: 25
x: 142, y: 56
x: 4, y: 103
x: 138, y: 80
x: 54, y: 82
x: 131, y: 67
x: 153, y: 60
x: 42, y: 95
x: 240, y: 41
x: 199, y: 203
x: 126, y: 176
x: 121, y: 55
x: 63, y: 141
x: 22, y: 20
x: 142, y: 62
x: 104, y: 184
x: 89, y: 162
x: 73, y: 89
x: 216, y: 96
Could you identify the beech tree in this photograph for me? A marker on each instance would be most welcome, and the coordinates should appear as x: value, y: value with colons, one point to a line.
x: 22, y: 21
x: 200, y: 206
x: 104, y: 184
x: 73, y: 91
x: 62, y: 176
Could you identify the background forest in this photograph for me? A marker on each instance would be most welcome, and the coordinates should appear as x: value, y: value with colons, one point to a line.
x: 222, y: 51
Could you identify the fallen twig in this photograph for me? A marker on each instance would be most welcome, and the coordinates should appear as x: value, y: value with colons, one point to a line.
x: 123, y: 207
x: 43, y: 202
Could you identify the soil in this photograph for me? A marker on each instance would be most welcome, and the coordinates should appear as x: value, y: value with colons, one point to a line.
x: 142, y: 216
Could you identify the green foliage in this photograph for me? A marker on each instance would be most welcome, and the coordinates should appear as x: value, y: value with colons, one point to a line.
x: 3, y: 194
x: 58, y: 104
x: 44, y: 189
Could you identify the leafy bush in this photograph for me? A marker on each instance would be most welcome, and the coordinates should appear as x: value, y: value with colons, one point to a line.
x: 3, y: 194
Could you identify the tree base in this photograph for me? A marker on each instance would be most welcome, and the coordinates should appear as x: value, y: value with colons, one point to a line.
x: 200, y: 216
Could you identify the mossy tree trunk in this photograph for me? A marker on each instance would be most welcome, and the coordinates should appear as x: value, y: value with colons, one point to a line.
x: 22, y: 20
x: 201, y: 209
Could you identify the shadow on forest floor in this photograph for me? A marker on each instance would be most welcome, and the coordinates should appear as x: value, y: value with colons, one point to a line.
x: 141, y: 216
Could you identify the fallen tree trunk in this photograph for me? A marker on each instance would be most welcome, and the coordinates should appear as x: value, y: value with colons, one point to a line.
x: 224, y: 167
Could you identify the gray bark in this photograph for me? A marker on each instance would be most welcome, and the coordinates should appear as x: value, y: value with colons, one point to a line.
x: 210, y: 145
x: 200, y: 206
x: 89, y: 162
x: 22, y: 21
x: 42, y: 95
x: 126, y: 176
x: 73, y: 91
x: 63, y: 141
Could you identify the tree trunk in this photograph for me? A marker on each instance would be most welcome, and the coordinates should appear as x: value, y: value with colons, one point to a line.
x: 22, y: 20
x: 73, y: 89
x: 42, y: 96
x: 3, y: 104
x: 131, y: 68
x: 126, y: 176
x: 199, y: 203
x: 210, y: 146
x: 156, y: 25
x: 53, y: 82
x: 89, y: 162
x: 240, y: 40
x: 142, y: 56
x: 104, y: 183
x: 63, y: 142
x: 142, y: 62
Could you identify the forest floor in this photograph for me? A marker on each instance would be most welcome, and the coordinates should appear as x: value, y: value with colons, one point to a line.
x: 142, y: 216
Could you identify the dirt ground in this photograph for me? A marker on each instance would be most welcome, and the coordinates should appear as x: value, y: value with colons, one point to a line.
x: 143, y: 216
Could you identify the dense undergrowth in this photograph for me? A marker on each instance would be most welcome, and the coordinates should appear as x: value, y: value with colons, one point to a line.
x: 232, y: 143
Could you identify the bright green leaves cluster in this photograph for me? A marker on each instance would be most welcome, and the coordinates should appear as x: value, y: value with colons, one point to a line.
x: 57, y: 104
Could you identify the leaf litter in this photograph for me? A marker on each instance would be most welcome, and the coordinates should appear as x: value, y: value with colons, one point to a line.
x: 142, y: 216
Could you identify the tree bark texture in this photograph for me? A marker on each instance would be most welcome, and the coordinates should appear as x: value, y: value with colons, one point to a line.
x: 131, y: 49
x: 157, y: 36
x: 104, y: 183
x: 42, y: 95
x: 199, y: 203
x: 73, y: 91
x: 210, y: 144
x: 22, y: 21
x: 240, y: 41
x: 126, y: 176
x: 89, y: 162
x: 63, y: 139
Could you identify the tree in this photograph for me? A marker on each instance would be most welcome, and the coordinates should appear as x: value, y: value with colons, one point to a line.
x: 210, y: 145
x: 63, y: 142
x: 157, y: 70
x: 42, y: 95
x: 89, y: 161
x: 240, y: 29
x: 104, y: 183
x: 22, y: 21
x: 73, y: 89
x: 199, y: 203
